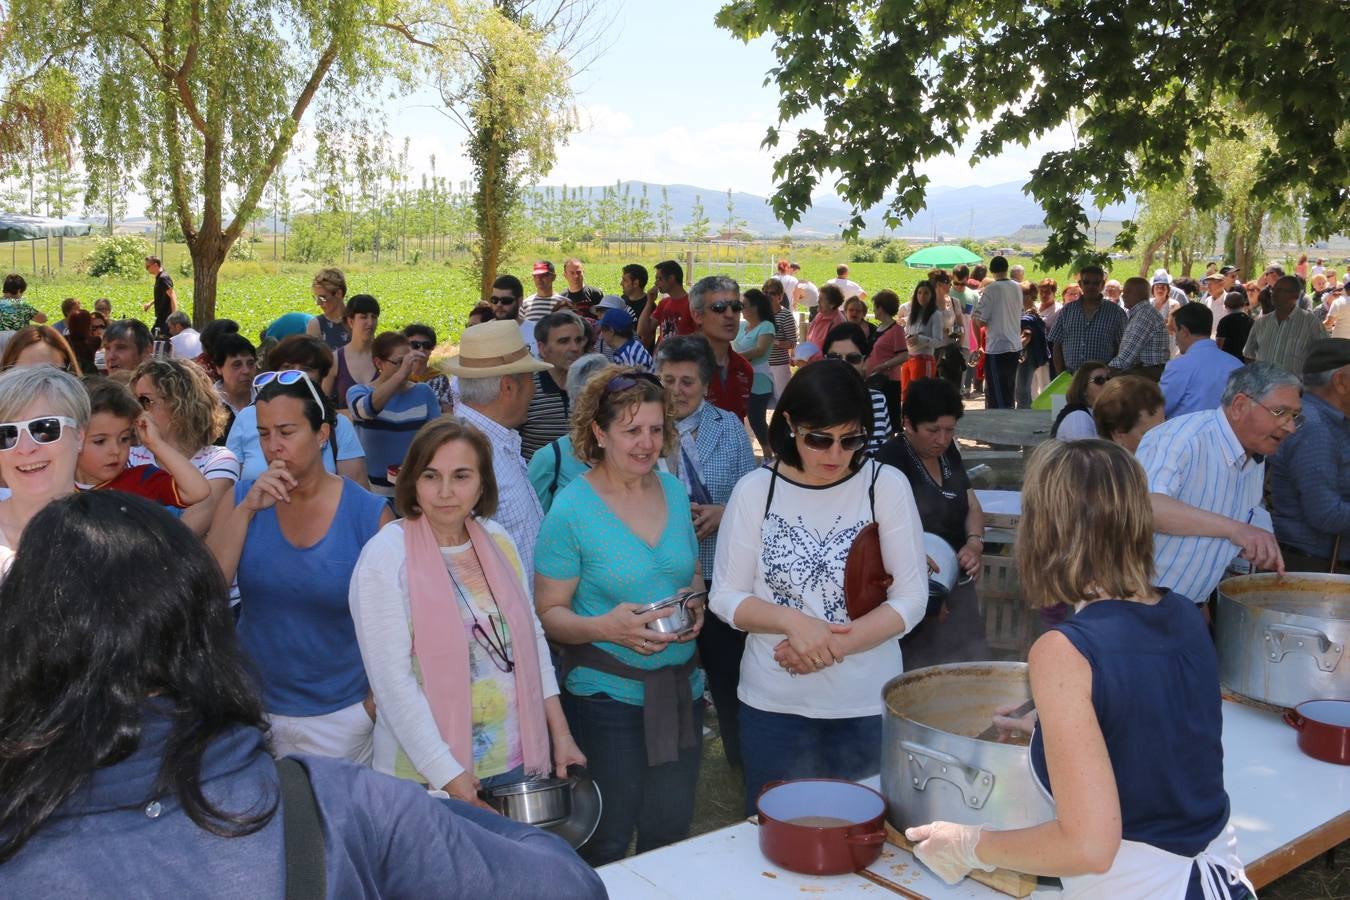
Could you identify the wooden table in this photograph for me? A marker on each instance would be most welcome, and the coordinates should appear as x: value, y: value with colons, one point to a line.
x: 1287, y: 808
x: 1006, y: 427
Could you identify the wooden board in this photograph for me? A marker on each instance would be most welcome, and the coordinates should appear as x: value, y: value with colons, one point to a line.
x: 1005, y: 881
x: 1005, y: 427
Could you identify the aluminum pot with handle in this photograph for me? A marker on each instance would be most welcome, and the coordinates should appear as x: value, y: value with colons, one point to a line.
x: 1284, y: 640
x: 933, y: 765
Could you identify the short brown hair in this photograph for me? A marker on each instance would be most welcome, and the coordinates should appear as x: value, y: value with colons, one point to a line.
x: 1087, y: 525
x: 599, y: 405
x: 939, y: 276
x: 1122, y: 401
x: 303, y: 351
x: 887, y: 301
x: 832, y: 293
x: 431, y: 437
x: 1077, y: 391
x: 111, y: 397
x: 386, y: 343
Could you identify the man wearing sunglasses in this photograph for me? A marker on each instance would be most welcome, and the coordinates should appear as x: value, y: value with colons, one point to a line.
x: 715, y: 303
x: 507, y: 298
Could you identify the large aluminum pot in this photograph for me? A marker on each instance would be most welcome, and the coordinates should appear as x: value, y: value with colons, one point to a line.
x: 1284, y: 641
x: 933, y: 767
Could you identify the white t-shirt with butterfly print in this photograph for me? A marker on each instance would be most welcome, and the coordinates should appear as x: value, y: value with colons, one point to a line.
x: 794, y: 556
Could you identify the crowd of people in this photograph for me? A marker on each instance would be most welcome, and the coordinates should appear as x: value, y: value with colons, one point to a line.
x: 439, y: 566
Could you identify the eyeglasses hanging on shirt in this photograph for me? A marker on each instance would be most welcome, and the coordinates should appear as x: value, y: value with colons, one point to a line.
x: 494, y: 643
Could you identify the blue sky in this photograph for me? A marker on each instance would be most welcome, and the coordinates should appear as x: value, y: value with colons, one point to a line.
x: 674, y: 100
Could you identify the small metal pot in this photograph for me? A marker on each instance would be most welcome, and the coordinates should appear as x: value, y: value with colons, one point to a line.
x: 1323, y: 729
x: 821, y: 826
x: 540, y: 802
x: 679, y: 620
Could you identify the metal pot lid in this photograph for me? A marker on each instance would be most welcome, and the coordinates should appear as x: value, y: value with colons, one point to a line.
x: 533, y: 786
x: 677, y: 600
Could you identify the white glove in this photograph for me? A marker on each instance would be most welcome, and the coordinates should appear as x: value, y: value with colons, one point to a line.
x: 948, y: 849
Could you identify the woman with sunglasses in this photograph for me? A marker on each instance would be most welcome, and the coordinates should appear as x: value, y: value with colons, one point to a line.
x: 1075, y: 422
x: 811, y: 675
x: 422, y: 338
x: 456, y: 656
x: 291, y: 539
x: 355, y: 362
x: 310, y: 356
x: 39, y: 345
x: 388, y: 412
x: 43, y: 416
x: 926, y: 453
x: 181, y: 400
x: 619, y: 537
x: 845, y: 342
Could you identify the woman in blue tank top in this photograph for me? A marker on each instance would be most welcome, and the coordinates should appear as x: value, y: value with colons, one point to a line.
x: 292, y: 538
x: 1128, y: 742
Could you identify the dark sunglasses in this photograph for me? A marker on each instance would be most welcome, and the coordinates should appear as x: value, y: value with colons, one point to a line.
x: 420, y: 345
x: 1100, y: 380
x: 722, y: 306
x: 819, y: 440
x: 851, y: 358
x: 632, y: 379
x: 43, y: 430
x: 501, y: 301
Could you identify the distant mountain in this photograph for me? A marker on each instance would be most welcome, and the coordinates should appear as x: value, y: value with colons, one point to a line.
x: 952, y: 212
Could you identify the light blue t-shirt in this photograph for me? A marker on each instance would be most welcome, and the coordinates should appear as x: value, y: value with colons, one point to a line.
x: 745, y: 343
x: 243, y: 441
x: 387, y: 434
x: 294, y: 620
x: 581, y: 538
x: 552, y: 468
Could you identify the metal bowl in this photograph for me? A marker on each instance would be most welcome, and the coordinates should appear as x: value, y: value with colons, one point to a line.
x: 539, y: 802
x: 587, y: 806
x: 679, y: 620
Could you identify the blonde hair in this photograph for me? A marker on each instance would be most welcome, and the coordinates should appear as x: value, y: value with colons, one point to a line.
x: 1087, y: 525
x: 196, y: 410
x: 332, y: 278
x: 599, y: 405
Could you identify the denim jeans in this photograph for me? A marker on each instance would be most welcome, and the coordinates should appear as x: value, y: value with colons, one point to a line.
x: 758, y: 416
x: 781, y: 746
x: 1026, y: 373
x: 514, y: 776
x: 656, y: 801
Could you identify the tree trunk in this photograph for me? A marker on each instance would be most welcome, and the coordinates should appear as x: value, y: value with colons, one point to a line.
x: 208, y: 255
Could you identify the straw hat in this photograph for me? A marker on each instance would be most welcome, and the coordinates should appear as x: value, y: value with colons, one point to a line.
x: 491, y: 349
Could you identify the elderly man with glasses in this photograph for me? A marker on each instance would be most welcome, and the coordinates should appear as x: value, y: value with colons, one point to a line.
x: 715, y: 303
x: 1206, y: 470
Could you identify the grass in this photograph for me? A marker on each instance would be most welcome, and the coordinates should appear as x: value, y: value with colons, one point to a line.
x: 436, y: 293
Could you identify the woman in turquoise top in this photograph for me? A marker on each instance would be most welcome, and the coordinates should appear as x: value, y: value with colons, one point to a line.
x: 616, y: 538
x: 756, y: 344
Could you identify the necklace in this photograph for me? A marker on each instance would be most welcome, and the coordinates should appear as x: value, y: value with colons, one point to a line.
x: 928, y: 476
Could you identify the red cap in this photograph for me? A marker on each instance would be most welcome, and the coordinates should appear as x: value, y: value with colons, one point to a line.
x: 543, y: 268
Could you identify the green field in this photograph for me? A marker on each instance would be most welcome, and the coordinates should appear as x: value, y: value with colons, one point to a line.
x: 438, y: 294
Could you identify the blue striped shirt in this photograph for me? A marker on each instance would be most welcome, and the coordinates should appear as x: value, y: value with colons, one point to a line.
x: 1197, y: 459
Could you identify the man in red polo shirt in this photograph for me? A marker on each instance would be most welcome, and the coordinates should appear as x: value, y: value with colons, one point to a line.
x: 672, y: 314
x: 715, y: 303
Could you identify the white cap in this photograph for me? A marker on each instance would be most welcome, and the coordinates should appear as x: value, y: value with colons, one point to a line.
x: 610, y: 301
x: 1161, y: 277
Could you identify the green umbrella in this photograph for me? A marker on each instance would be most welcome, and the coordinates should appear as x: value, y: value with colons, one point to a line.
x: 943, y: 256
x: 20, y: 227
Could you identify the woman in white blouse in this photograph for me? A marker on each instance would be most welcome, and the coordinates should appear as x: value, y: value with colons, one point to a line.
x: 465, y: 692
x: 811, y: 676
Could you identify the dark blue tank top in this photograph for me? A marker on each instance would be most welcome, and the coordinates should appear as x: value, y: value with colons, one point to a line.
x: 1155, y: 687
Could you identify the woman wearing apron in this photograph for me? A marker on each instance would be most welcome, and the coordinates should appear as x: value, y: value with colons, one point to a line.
x: 1129, y: 739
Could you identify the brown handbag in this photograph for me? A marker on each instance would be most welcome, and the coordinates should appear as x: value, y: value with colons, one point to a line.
x: 865, y: 577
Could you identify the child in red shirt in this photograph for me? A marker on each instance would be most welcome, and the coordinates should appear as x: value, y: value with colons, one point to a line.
x: 116, y: 421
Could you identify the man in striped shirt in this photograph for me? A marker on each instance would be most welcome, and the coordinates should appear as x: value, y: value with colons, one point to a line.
x: 616, y: 330
x: 1206, y: 470
x: 562, y: 340
x: 1284, y: 336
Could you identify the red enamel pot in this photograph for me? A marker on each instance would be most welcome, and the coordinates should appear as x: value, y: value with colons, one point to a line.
x: 821, y: 826
x: 1323, y: 729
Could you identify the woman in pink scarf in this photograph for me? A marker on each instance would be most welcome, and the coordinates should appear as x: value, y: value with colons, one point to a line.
x: 831, y: 299
x: 464, y: 687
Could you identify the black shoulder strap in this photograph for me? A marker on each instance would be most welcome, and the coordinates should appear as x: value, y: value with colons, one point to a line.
x: 305, y: 873
x: 872, y: 488
x: 773, y: 482
x: 557, y: 471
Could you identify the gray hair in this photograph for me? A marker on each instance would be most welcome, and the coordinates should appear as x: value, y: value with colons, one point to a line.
x: 480, y: 391
x: 1322, y: 379
x: 1256, y: 380
x: 562, y: 317
x: 712, y: 284
x: 178, y: 317
x: 21, y: 387
x: 1016, y: 273
x: 692, y: 348
x: 582, y: 371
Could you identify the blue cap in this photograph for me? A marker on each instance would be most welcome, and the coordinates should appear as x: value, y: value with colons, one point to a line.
x: 616, y: 320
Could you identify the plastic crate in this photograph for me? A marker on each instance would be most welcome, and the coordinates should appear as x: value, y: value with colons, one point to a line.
x: 1010, y: 625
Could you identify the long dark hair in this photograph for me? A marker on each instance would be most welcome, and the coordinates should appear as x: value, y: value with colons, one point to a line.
x: 917, y: 311
x: 826, y: 393
x: 144, y: 614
